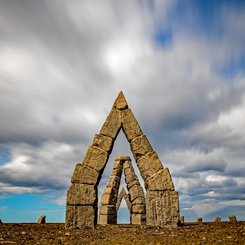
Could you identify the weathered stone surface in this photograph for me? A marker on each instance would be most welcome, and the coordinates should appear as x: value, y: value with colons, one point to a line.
x: 42, y: 219
x: 80, y: 216
x: 132, y: 183
x: 123, y: 158
x: 182, y: 219
x: 140, y: 146
x: 81, y: 194
x: 112, y: 124
x: 113, y: 182
x: 103, y: 142
x: 95, y: 158
x: 131, y: 177
x: 232, y: 219
x: 123, y: 194
x: 120, y: 102
x: 138, y: 219
x: 199, y: 220
x: 107, y: 209
x: 117, y: 168
x: 135, y: 191
x: 105, y: 219
x: 160, y: 181
x: 130, y: 125
x: 109, y: 199
x: 139, y: 209
x: 149, y: 165
x: 217, y: 220
x: 127, y: 164
x: 162, y: 208
x: 138, y: 200
x: 84, y: 175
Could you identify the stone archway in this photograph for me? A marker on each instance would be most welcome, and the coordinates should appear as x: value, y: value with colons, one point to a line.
x: 162, y: 205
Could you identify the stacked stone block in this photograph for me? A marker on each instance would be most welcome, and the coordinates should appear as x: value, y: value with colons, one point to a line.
x: 123, y: 194
x: 109, y: 198
x: 136, y: 194
x: 161, y: 199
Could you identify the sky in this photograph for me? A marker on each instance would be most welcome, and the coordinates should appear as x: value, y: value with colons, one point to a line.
x: 181, y: 66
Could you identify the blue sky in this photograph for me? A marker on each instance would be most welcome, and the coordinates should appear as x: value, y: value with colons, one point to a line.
x: 181, y: 67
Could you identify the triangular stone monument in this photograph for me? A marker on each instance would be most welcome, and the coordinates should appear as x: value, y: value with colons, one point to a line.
x: 162, y: 203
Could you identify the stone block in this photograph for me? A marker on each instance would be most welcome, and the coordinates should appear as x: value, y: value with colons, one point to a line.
x: 138, y: 201
x: 109, y: 198
x: 42, y: 219
x: 160, y: 181
x: 127, y: 164
x: 138, y: 209
x: 113, y: 182
x: 105, y: 219
x: 199, y: 220
x: 232, y: 219
x: 95, y: 158
x: 140, y: 146
x: 132, y: 183
x: 162, y: 208
x: 107, y: 209
x: 182, y: 219
x: 80, y: 216
x: 130, y: 125
x: 85, y: 175
x: 149, y: 165
x: 130, y: 177
x: 103, y: 142
x: 135, y: 191
x: 81, y: 194
x: 112, y: 125
x: 128, y: 171
x: 217, y: 220
x: 138, y: 219
x: 120, y: 103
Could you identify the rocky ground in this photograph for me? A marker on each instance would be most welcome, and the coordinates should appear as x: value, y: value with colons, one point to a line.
x: 206, y: 233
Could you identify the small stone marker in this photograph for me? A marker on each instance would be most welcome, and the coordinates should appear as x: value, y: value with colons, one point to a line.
x: 217, y: 220
x: 42, y: 220
x: 232, y: 219
x: 182, y: 219
x: 199, y: 220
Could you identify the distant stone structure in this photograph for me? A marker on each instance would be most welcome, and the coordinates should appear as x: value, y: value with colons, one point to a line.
x: 182, y: 219
x: 123, y: 194
x: 199, y: 220
x: 110, y: 200
x: 42, y: 219
x: 217, y: 220
x: 161, y: 201
x: 232, y: 219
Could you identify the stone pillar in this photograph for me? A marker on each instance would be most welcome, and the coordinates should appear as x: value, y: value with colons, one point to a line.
x: 82, y: 197
x: 136, y: 194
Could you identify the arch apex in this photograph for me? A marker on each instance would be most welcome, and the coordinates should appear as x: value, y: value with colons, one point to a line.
x: 120, y: 102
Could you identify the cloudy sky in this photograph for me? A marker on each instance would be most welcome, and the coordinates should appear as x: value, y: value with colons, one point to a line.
x: 181, y: 66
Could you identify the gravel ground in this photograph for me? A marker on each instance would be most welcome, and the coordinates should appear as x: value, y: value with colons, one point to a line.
x: 190, y: 233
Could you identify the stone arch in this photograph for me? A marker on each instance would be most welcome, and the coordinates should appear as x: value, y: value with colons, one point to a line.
x: 162, y: 207
x: 123, y: 194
